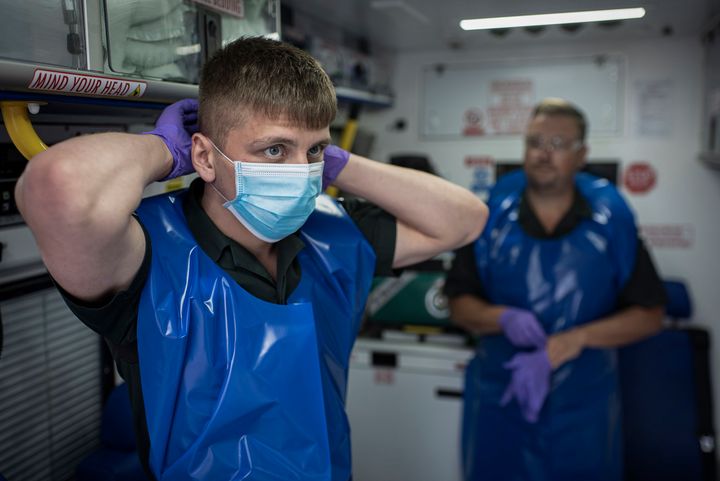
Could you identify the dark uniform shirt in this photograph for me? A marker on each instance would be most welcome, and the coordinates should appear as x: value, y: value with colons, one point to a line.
x: 116, y: 320
x: 644, y: 287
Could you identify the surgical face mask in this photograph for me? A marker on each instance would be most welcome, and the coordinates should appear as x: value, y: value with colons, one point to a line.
x: 273, y: 200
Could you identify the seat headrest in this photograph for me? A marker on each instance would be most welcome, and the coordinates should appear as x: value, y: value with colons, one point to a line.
x: 679, y: 305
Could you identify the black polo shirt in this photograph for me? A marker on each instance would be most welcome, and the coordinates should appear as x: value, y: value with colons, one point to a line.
x: 644, y: 287
x: 116, y: 320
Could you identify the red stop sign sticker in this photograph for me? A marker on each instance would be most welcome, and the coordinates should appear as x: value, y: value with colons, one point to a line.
x: 640, y: 177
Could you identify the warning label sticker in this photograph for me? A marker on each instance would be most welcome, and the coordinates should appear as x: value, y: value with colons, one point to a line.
x: 57, y: 81
x: 672, y: 236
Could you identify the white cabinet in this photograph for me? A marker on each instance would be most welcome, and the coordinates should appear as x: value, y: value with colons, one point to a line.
x: 148, y: 50
x: 405, y: 408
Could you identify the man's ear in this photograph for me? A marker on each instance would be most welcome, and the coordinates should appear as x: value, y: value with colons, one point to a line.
x: 582, y: 157
x: 203, y: 157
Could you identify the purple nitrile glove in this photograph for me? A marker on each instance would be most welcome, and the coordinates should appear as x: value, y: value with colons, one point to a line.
x: 522, y: 328
x: 175, y: 126
x: 530, y: 382
x: 335, y: 160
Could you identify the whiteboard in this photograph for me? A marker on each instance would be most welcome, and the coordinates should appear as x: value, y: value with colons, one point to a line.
x: 496, y: 98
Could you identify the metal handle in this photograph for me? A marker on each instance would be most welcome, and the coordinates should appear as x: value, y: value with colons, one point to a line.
x: 444, y: 392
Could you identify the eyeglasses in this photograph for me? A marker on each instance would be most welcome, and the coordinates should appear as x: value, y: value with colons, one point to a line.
x: 552, y: 144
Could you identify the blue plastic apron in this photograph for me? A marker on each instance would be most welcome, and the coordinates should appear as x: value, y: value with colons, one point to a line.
x: 236, y: 388
x: 565, y: 282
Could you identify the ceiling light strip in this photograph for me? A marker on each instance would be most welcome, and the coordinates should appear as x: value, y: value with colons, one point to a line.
x: 552, y: 19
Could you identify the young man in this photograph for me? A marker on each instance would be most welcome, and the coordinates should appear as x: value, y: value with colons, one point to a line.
x: 231, y: 309
x: 557, y: 280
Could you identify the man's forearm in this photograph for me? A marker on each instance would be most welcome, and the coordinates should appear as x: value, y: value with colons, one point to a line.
x: 433, y: 214
x: 624, y: 327
x: 77, y: 198
x: 93, y: 169
x: 475, y: 315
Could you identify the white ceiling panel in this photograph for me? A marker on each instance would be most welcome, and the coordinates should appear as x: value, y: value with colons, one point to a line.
x: 407, y: 25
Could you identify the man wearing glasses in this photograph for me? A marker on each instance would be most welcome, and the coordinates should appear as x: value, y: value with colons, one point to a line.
x: 558, y: 279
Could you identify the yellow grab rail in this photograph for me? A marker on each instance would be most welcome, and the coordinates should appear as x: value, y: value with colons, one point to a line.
x: 347, y: 139
x: 17, y: 122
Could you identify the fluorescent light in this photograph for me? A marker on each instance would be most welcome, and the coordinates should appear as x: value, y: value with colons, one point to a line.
x: 552, y: 19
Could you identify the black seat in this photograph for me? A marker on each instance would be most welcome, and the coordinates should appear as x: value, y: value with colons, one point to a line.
x: 117, y: 460
x: 667, y: 400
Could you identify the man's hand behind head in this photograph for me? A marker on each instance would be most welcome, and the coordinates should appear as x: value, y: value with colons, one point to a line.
x: 175, y: 127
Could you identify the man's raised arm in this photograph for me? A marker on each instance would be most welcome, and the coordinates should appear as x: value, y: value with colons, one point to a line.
x: 433, y: 215
x: 78, y: 198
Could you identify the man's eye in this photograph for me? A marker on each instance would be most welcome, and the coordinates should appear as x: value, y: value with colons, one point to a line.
x: 559, y: 143
x: 315, y: 151
x: 534, y: 142
x: 274, y: 151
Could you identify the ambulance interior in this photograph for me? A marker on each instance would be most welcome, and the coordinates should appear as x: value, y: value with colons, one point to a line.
x: 413, y: 89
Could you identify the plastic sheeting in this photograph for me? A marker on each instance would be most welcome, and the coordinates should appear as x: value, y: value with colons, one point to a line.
x: 565, y: 282
x: 163, y: 38
x: 237, y: 388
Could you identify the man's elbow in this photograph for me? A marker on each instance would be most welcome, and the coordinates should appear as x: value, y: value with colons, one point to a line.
x: 458, y: 321
x: 49, y: 189
x: 652, y: 318
x: 474, y: 222
x: 457, y: 311
x: 656, y: 315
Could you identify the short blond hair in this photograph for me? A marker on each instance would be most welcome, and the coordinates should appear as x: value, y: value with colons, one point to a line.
x: 258, y: 75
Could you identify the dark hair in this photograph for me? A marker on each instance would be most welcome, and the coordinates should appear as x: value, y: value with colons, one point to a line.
x: 554, y: 106
x: 259, y: 75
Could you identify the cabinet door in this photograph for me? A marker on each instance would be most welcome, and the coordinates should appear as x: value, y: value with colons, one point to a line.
x: 47, y: 32
x: 171, y: 39
x: 405, y: 424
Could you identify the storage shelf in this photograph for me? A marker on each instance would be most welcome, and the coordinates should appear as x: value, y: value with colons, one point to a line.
x: 346, y: 94
x: 158, y: 93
